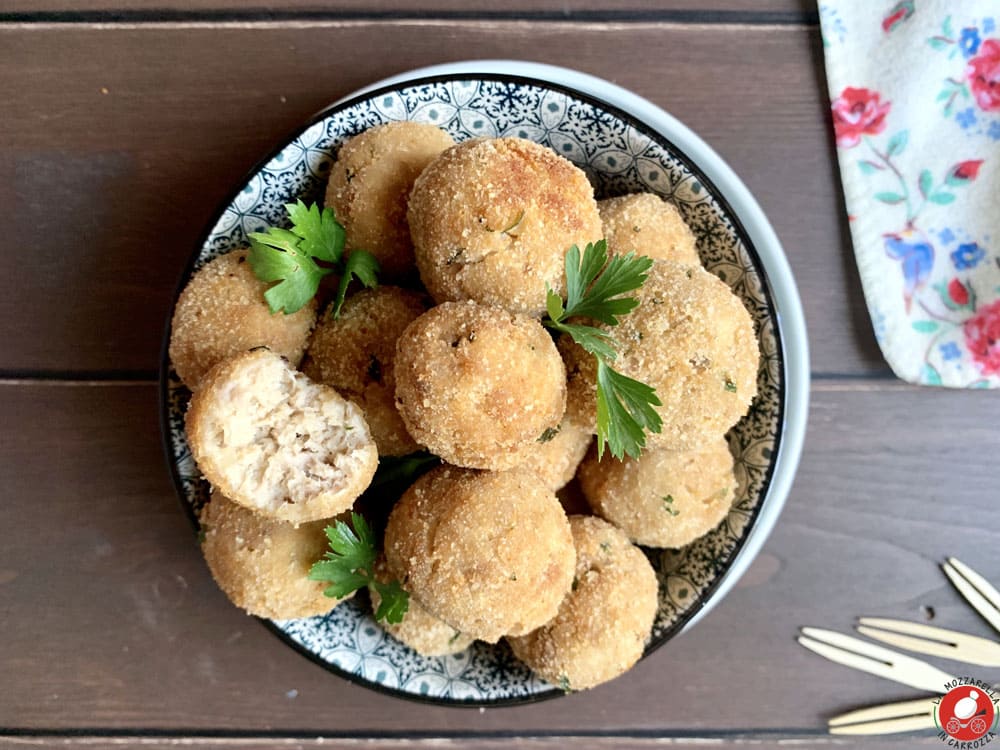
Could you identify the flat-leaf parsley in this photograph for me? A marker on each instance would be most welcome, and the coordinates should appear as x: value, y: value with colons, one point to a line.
x: 349, y: 565
x: 299, y: 258
x: 597, y: 289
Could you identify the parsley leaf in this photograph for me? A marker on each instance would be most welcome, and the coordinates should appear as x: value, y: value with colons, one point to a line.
x: 595, y: 285
x: 594, y: 340
x: 597, y: 288
x: 349, y: 565
x: 624, y: 411
x: 394, y: 601
x: 361, y: 265
x: 292, y: 257
x: 321, y: 234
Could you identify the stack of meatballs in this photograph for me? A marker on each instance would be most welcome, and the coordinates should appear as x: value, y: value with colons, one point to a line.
x: 289, y: 413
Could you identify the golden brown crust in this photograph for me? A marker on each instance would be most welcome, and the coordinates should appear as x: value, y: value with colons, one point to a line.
x: 222, y: 312
x: 692, y: 340
x: 491, y: 220
x: 648, y: 225
x: 664, y: 498
x: 370, y: 184
x: 420, y: 630
x: 356, y: 354
x: 478, y: 385
x: 555, y: 459
x: 604, y: 622
x: 490, y: 553
x: 262, y: 565
x: 270, y: 439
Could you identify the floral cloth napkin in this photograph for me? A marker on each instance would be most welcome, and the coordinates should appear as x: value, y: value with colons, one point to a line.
x: 915, y: 92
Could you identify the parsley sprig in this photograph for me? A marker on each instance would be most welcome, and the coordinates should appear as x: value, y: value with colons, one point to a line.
x: 597, y: 289
x: 349, y: 565
x: 299, y: 258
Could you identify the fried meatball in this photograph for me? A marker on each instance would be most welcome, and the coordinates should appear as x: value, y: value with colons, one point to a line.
x: 664, y: 498
x: 356, y: 352
x: 478, y: 385
x: 491, y: 220
x: 650, y: 226
x: 262, y: 565
x: 490, y: 553
x: 604, y: 623
x: 420, y: 630
x: 370, y: 183
x: 222, y: 312
x: 558, y: 454
x: 272, y: 440
x: 692, y: 340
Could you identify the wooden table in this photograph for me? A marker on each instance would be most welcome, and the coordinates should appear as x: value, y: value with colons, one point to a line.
x: 122, y: 132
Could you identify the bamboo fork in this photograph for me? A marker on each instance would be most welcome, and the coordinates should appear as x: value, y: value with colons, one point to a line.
x: 950, y: 644
x: 890, y: 718
x: 876, y: 660
x: 978, y: 592
x: 908, y: 716
x: 925, y: 639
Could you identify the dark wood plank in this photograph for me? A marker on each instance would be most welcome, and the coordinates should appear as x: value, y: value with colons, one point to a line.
x: 120, y: 142
x: 791, y: 9
x: 111, y: 622
x: 464, y: 743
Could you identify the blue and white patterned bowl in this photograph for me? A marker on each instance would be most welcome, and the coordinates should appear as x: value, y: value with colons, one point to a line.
x: 624, y: 144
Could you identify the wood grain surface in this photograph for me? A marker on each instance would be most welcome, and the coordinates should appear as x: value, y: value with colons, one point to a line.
x: 754, y: 11
x: 125, y: 127
x: 127, y: 140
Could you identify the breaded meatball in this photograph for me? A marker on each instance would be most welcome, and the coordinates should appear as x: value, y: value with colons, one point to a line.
x: 603, y: 624
x: 581, y: 388
x: 275, y: 442
x: 492, y: 219
x: 558, y: 454
x: 478, y: 385
x: 650, y: 226
x: 370, y: 183
x: 420, y: 630
x: 692, y: 340
x: 262, y: 565
x: 222, y: 312
x: 356, y: 354
x: 664, y: 498
x: 490, y: 553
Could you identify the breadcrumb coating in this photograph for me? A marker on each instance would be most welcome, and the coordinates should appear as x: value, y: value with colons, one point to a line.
x: 558, y: 454
x: 356, y: 354
x: 604, y: 622
x: 649, y: 225
x: 692, y: 340
x: 272, y: 440
x: 420, y: 630
x: 262, y: 565
x: 222, y: 312
x: 664, y: 498
x: 492, y: 219
x: 490, y: 553
x: 478, y: 385
x: 370, y: 185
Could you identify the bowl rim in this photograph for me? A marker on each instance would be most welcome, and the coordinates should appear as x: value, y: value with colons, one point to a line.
x: 779, y: 294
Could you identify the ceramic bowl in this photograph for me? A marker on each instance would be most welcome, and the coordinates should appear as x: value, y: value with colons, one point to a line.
x: 624, y: 144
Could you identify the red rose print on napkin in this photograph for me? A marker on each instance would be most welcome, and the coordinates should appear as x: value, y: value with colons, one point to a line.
x: 982, y: 337
x: 858, y: 112
x: 983, y: 73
